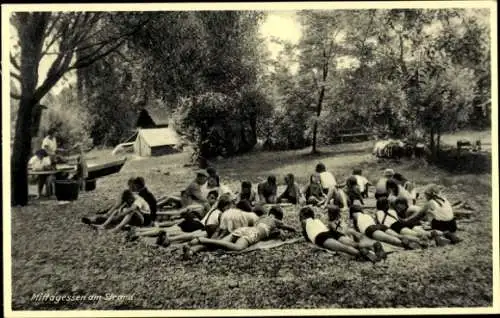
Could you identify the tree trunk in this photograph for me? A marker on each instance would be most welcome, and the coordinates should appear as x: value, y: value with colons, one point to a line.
x: 438, y: 140
x: 432, y: 145
x: 21, y: 153
x: 318, y: 111
x: 31, y: 36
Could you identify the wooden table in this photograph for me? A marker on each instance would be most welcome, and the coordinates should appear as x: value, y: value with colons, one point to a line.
x: 58, y: 169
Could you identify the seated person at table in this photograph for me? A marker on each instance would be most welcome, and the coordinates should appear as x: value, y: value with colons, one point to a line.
x: 318, y: 233
x: 352, y: 191
x: 381, y: 186
x: 193, y: 190
x: 143, y: 191
x: 314, y: 191
x: 131, y: 214
x: 243, y: 237
x: 327, y: 178
x: 362, y: 182
x: 365, y: 224
x: 389, y: 217
x: 292, y: 193
x: 247, y: 193
x: 39, y: 162
x: 268, y: 190
x: 441, y: 212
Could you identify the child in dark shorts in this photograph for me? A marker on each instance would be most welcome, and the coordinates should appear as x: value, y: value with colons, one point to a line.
x: 319, y: 234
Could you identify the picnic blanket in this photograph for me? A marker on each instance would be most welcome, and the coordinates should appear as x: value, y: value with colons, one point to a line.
x: 259, y: 246
x: 268, y: 244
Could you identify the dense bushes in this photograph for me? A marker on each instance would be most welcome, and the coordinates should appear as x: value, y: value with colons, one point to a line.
x: 64, y: 113
x: 464, y: 162
x: 220, y: 124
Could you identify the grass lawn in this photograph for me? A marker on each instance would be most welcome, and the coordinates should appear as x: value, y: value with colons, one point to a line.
x: 52, y: 252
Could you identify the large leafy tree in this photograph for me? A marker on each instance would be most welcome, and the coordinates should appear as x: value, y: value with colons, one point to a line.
x: 319, y: 47
x: 61, y: 34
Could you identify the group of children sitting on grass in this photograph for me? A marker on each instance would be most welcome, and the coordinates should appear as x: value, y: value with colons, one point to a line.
x: 209, y: 215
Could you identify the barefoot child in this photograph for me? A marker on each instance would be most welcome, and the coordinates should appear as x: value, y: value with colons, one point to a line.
x: 244, y: 237
x: 318, y: 233
x: 365, y: 224
x: 389, y: 217
x: 441, y: 212
x: 381, y: 186
x: 143, y: 192
x: 132, y: 213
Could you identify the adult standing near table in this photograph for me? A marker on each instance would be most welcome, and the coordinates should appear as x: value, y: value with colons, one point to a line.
x: 49, y: 144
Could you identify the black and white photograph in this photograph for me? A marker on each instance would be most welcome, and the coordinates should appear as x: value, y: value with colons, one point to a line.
x: 250, y: 158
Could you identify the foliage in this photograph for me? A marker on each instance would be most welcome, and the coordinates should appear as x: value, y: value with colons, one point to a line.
x: 71, y: 121
x: 62, y: 34
x: 220, y: 124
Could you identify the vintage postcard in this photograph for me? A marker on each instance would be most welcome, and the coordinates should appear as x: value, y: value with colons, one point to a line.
x: 250, y: 159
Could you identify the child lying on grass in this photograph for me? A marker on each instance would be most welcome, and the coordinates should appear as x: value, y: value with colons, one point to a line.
x: 389, y: 217
x: 216, y: 223
x: 132, y: 213
x: 318, y: 233
x: 188, y: 206
x: 189, y: 223
x: 243, y: 237
x: 365, y: 224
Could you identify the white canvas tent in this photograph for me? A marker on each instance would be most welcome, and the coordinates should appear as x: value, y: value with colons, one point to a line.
x: 156, y: 142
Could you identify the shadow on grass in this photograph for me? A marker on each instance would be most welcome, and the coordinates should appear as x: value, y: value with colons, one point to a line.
x: 268, y: 161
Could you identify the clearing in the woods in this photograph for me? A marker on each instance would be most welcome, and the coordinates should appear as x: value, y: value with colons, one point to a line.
x: 54, y: 253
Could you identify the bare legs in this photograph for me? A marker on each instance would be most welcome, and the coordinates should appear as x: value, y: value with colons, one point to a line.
x: 226, y: 242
